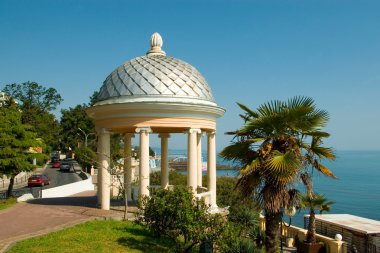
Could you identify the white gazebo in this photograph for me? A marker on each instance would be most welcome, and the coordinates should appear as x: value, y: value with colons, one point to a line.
x: 161, y: 95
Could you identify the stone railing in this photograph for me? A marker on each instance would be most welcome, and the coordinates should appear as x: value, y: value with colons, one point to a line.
x: 332, y: 245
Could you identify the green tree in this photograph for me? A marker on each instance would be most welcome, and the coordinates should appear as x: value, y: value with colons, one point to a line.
x: 177, y: 215
x: 313, y: 202
x: 36, y: 103
x: 277, y: 146
x: 86, y: 157
x: 32, y: 95
x: 72, y: 120
x: 93, y: 98
x: 15, y: 139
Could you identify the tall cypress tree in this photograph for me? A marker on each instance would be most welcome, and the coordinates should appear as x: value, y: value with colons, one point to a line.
x: 15, y: 139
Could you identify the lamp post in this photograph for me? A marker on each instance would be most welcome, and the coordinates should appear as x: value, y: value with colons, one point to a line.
x: 85, y: 136
x: 289, y: 211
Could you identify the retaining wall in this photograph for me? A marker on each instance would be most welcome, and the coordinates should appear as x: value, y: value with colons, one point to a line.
x: 70, y: 189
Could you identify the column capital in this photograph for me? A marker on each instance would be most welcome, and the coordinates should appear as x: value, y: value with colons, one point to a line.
x: 194, y: 130
x: 212, y: 133
x: 144, y: 129
x: 164, y: 135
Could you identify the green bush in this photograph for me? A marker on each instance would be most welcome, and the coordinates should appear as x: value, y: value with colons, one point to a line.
x: 177, y: 215
x: 242, y: 229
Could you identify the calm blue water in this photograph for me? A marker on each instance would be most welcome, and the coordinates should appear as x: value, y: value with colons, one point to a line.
x: 357, y: 189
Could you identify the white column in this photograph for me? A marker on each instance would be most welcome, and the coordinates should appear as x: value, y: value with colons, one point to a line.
x: 144, y: 159
x: 192, y: 158
x: 164, y: 160
x: 99, y: 176
x: 211, y: 167
x: 104, y: 166
x: 128, y: 164
x: 199, y: 159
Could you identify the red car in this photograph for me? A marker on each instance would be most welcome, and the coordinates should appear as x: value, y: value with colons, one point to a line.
x: 56, y: 164
x: 38, y: 180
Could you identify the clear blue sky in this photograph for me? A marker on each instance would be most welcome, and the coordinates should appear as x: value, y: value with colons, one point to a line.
x: 248, y: 51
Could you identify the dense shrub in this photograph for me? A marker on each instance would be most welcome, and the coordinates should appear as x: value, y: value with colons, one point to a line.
x: 241, y: 232
x: 177, y: 215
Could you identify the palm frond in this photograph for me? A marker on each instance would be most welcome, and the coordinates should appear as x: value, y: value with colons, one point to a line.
x: 317, y: 134
x: 323, y: 152
x: 250, y: 112
x: 249, y: 183
x: 236, y: 152
x: 325, y: 171
x: 300, y: 101
x: 254, y: 140
x: 253, y: 166
x: 283, y: 166
x: 270, y: 108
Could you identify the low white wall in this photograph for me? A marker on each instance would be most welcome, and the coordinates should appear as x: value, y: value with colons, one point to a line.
x: 69, y: 189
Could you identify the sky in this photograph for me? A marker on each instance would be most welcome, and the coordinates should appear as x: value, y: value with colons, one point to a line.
x: 249, y: 52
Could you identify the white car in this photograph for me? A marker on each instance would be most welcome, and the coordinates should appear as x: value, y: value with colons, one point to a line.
x: 66, y: 165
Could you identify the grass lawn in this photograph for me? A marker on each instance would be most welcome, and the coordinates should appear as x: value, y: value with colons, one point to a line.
x: 5, y: 203
x: 96, y: 236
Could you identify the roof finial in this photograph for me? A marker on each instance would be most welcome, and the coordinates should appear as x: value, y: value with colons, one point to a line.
x: 156, y: 44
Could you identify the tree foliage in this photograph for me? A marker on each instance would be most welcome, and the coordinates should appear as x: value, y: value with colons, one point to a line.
x: 32, y: 95
x: 15, y: 139
x: 36, y: 104
x: 182, y: 218
x: 86, y: 157
x: 71, y: 120
x: 277, y: 146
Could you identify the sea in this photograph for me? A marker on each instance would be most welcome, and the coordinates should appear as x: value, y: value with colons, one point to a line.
x: 356, y: 190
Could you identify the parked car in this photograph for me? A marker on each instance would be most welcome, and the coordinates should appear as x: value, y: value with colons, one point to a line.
x: 38, y: 180
x: 56, y: 164
x: 66, y: 165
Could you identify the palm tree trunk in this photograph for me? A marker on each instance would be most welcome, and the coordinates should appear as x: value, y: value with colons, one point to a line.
x: 310, y: 237
x: 10, y: 186
x: 272, y: 225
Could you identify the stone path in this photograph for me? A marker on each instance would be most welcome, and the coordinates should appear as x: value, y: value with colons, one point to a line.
x: 42, y: 216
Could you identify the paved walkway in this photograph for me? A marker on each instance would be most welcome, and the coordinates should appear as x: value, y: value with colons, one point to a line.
x: 42, y: 216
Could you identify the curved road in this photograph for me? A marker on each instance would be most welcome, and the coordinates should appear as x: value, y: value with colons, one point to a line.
x: 58, y: 178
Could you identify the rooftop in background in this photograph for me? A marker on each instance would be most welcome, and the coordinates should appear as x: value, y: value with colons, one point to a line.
x: 351, y: 222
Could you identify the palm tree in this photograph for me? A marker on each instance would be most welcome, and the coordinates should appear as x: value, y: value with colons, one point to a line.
x: 313, y: 202
x: 276, y: 147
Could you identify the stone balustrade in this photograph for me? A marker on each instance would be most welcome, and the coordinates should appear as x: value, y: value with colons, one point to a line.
x: 332, y: 245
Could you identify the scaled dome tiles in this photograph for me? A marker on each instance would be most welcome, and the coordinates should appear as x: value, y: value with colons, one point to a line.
x: 155, y: 77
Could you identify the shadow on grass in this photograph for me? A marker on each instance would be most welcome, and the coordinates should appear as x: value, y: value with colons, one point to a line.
x: 142, y: 239
x: 136, y: 230
x: 145, y: 245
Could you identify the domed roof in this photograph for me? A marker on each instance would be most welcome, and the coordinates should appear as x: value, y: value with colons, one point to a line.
x: 155, y: 76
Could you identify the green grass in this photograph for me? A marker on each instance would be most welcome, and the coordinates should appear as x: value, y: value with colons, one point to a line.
x: 96, y: 236
x: 5, y: 203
